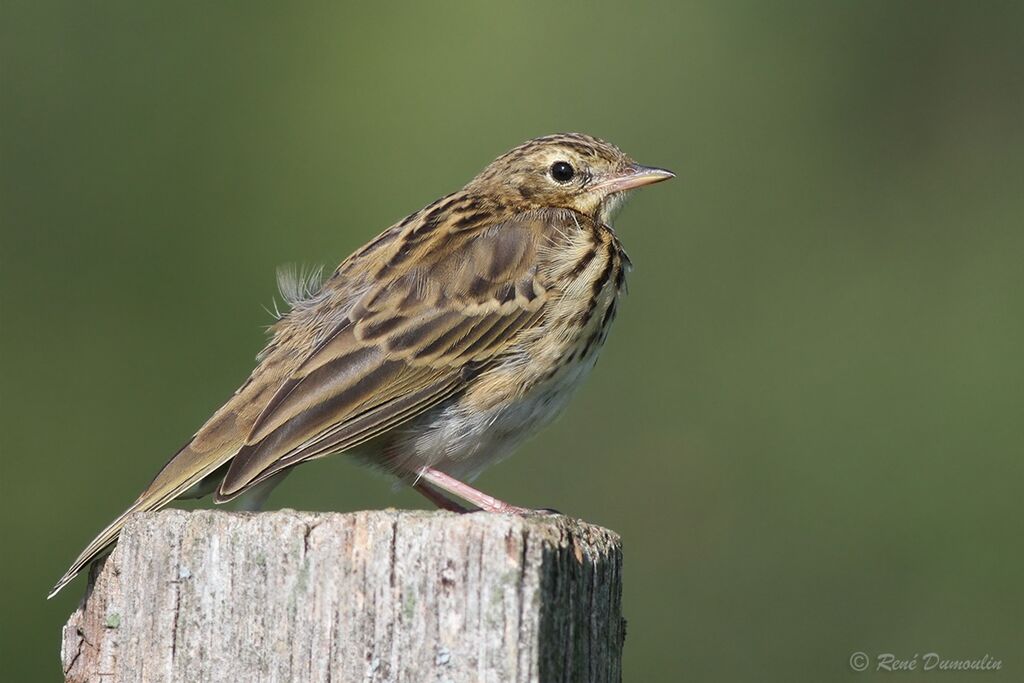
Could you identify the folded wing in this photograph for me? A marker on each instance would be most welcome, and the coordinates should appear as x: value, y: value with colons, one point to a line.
x: 414, y: 340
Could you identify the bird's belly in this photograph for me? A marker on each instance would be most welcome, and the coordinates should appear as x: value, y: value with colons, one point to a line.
x: 466, y: 435
x: 464, y: 440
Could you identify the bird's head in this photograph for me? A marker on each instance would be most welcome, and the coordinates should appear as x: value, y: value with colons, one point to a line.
x: 568, y: 171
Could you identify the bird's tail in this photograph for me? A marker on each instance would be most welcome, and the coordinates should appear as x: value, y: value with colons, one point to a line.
x: 163, y: 490
x: 213, y: 445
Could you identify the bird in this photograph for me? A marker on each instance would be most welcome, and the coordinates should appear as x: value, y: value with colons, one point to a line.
x: 433, y: 350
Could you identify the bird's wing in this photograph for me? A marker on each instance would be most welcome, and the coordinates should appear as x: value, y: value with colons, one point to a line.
x: 440, y: 311
x: 444, y: 298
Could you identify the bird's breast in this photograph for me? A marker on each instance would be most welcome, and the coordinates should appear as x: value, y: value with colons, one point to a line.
x: 529, y: 386
x: 550, y: 359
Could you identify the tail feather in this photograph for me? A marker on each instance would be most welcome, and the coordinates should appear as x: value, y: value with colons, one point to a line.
x: 213, y: 445
x: 217, y: 442
x: 96, y: 548
x: 165, y: 488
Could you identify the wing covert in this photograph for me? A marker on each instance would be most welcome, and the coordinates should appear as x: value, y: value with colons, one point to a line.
x: 412, y: 341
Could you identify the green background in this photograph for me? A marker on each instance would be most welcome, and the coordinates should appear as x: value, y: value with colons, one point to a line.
x: 807, y: 422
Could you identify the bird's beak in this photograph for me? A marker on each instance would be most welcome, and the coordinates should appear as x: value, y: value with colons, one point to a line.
x: 635, y: 176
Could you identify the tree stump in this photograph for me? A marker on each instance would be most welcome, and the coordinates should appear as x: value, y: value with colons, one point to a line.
x: 368, y: 596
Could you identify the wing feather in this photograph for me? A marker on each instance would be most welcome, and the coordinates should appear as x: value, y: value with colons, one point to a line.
x: 412, y: 341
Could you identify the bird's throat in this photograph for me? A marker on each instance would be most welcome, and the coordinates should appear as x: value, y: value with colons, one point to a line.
x: 610, y: 207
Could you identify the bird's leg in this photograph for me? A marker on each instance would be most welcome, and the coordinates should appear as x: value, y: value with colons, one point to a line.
x: 450, y: 484
x: 437, y: 498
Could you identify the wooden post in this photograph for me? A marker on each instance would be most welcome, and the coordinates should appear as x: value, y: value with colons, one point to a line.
x: 368, y: 596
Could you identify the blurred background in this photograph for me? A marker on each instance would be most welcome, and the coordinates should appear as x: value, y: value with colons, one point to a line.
x: 807, y: 422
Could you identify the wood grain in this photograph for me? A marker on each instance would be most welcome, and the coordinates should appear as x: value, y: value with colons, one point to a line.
x: 368, y: 596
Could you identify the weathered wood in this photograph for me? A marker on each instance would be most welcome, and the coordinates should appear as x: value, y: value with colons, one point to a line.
x: 368, y: 596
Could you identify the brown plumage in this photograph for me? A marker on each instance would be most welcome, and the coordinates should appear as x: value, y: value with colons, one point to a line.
x: 435, y: 348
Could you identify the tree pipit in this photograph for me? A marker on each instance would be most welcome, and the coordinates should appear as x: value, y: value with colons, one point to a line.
x: 436, y: 348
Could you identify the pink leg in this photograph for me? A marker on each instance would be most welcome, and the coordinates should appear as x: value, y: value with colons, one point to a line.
x: 466, y: 492
x: 438, y: 498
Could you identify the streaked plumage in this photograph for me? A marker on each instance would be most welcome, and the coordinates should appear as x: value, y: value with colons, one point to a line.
x: 435, y: 348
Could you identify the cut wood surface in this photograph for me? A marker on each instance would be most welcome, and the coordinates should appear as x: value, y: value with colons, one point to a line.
x: 367, y: 596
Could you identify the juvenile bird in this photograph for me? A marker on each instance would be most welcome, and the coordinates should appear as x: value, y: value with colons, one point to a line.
x: 433, y: 350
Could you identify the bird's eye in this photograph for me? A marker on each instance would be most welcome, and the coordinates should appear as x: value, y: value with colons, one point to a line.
x: 562, y: 171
